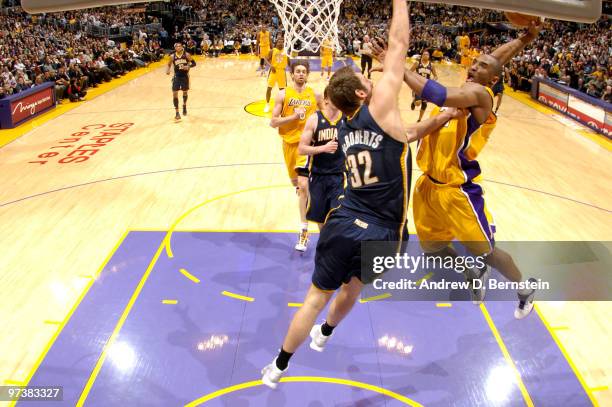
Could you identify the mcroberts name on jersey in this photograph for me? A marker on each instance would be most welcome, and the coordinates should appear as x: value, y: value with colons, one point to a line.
x: 366, y: 137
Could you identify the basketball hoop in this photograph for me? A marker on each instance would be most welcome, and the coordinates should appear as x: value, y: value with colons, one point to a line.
x: 308, y: 22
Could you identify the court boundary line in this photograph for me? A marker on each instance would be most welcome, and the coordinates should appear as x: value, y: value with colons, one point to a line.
x: 146, y: 275
x: 62, y: 109
x: 506, y: 354
x: 165, y: 243
x: 65, y: 321
x: 585, y: 133
x: 201, y: 167
x: 168, y: 239
x: 111, y: 340
x: 135, y: 175
x: 288, y: 231
x: 299, y: 379
x: 568, y: 359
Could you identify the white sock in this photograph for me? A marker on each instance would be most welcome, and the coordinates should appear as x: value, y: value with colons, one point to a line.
x: 304, y: 226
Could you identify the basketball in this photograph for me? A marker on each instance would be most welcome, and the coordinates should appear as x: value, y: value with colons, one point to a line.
x: 520, y: 20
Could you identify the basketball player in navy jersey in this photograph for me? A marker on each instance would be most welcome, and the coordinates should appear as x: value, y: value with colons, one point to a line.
x: 182, y: 62
x: 319, y: 142
x: 498, y: 89
x: 375, y: 202
x: 426, y: 69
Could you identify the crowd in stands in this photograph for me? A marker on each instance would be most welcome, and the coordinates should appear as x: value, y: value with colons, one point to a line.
x: 578, y: 55
x: 56, y: 46
x: 53, y: 48
x: 580, y: 58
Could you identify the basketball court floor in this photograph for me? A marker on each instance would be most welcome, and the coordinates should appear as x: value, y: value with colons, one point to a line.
x: 151, y: 263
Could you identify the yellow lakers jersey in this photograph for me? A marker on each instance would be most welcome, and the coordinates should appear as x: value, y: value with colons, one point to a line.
x: 449, y: 154
x: 291, y: 132
x: 264, y: 39
x: 326, y: 49
x: 279, y: 59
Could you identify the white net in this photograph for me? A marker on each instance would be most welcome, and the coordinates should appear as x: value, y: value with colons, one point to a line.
x: 308, y: 22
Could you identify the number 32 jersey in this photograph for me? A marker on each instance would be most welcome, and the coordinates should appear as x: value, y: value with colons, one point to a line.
x: 379, y: 170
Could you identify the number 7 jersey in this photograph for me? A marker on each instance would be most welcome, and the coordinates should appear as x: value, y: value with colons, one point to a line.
x: 379, y: 170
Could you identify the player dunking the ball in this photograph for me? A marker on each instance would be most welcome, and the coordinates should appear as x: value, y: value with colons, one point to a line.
x: 182, y: 62
x: 448, y: 201
x: 375, y: 204
x: 326, y: 162
x: 292, y: 108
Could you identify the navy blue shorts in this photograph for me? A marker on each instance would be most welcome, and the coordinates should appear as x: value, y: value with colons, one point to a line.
x: 180, y: 83
x: 338, y: 256
x: 324, y: 191
x: 498, y: 88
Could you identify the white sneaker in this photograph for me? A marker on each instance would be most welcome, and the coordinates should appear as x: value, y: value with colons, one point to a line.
x: 318, y: 339
x: 525, y: 302
x: 271, y: 374
x: 302, y: 243
x: 267, y: 108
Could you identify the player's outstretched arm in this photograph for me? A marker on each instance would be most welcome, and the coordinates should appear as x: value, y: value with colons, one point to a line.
x: 469, y: 95
x: 277, y: 120
x: 507, y: 51
x: 417, y: 131
x: 384, y: 103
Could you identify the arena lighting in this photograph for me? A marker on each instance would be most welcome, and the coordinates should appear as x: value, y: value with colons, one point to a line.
x: 585, y: 11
